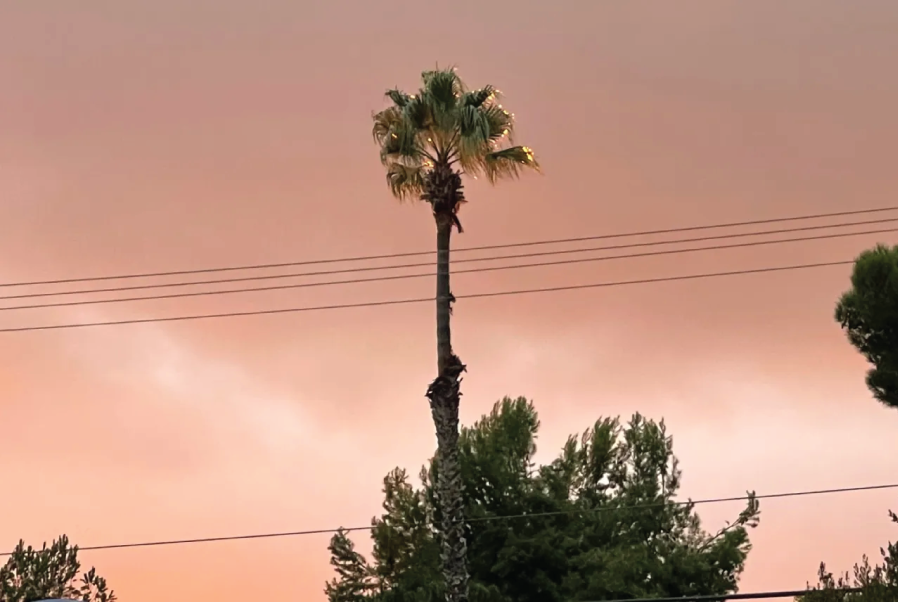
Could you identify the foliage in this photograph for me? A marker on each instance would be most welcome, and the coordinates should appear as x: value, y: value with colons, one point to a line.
x: 877, y: 583
x: 50, y: 572
x: 599, y: 522
x: 442, y: 125
x: 869, y: 314
x: 353, y: 582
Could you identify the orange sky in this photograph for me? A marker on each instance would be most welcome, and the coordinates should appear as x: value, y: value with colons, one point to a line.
x: 155, y: 135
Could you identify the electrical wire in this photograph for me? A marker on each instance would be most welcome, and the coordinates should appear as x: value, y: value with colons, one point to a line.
x: 795, y: 593
x: 455, y: 262
x: 287, y: 310
x: 690, y: 503
x: 461, y: 250
x: 408, y: 276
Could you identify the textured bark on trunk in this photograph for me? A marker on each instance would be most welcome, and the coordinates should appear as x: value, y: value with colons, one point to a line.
x: 444, y: 400
x: 444, y: 334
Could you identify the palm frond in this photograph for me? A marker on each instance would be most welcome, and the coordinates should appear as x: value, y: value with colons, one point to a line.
x: 418, y: 113
x: 481, y: 130
x: 476, y: 98
x: 473, y: 131
x: 442, y: 91
x: 384, y: 122
x: 508, y: 163
x: 399, y: 98
x: 500, y: 121
x: 444, y: 86
x: 406, y: 182
x: 402, y: 133
x: 401, y: 145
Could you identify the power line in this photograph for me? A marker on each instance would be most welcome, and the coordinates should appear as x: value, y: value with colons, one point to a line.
x: 118, y: 289
x: 752, y: 596
x: 461, y: 250
x: 573, y: 287
x: 717, y: 500
x: 256, y: 289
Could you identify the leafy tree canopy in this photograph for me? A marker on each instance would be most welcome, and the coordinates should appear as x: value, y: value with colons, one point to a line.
x: 51, y: 572
x: 869, y: 314
x: 599, y: 522
x: 878, y: 583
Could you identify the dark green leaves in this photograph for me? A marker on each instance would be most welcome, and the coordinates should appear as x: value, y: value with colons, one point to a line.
x: 353, y: 582
x: 442, y: 88
x: 399, y: 98
x: 869, y: 314
x: 599, y: 522
x: 477, y: 98
x: 30, y: 574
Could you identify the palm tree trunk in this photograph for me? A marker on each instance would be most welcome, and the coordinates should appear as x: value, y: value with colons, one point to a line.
x: 444, y: 334
x: 444, y: 400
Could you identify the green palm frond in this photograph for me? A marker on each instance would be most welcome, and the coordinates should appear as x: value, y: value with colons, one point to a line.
x: 406, y: 182
x: 442, y: 92
x: 399, y: 98
x: 445, y: 123
x: 473, y: 134
x: 444, y: 87
x: 500, y: 121
x: 401, y: 145
x: 481, y: 131
x: 476, y: 98
x: 418, y: 113
x: 509, y: 163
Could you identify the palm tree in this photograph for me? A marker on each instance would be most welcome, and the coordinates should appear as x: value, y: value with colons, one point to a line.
x: 428, y: 140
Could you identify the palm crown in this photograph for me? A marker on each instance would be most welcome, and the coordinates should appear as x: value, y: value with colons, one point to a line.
x: 442, y: 126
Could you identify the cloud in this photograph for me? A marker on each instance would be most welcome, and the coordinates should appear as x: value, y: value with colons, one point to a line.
x: 225, y: 401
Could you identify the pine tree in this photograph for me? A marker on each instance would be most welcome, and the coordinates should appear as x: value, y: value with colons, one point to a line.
x: 599, y: 522
x: 868, y: 312
x: 353, y: 581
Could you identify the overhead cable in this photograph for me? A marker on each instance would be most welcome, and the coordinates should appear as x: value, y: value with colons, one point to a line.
x: 461, y: 250
x: 280, y: 534
x: 408, y: 301
x: 429, y: 264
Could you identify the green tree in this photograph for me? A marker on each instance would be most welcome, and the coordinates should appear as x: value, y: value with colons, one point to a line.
x: 51, y: 572
x: 869, y: 314
x: 877, y: 583
x: 427, y: 141
x: 599, y: 522
x: 354, y: 581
